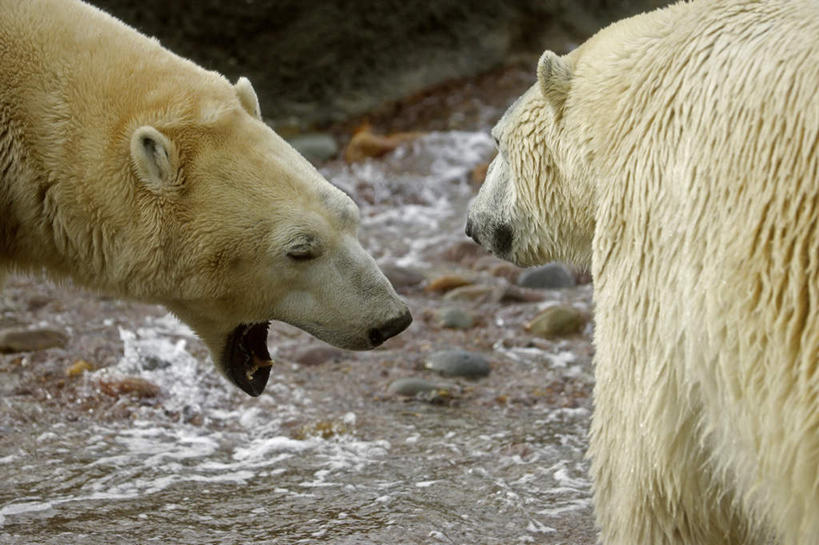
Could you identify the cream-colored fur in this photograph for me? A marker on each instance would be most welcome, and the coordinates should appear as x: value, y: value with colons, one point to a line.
x: 677, y: 153
x: 137, y: 173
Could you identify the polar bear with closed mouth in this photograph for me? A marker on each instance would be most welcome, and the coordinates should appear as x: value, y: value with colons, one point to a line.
x: 676, y: 153
x: 137, y: 173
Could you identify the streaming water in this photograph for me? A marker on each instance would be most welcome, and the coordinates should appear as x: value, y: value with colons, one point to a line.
x: 321, y: 456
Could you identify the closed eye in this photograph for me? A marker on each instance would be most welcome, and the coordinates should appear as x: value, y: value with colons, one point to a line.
x: 302, y: 253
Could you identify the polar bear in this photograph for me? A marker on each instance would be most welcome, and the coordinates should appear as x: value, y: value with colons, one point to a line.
x: 139, y: 174
x: 676, y: 153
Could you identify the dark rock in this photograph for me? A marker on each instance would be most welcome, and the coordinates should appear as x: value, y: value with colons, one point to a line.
x: 31, y: 340
x: 552, y: 276
x: 458, y: 363
x: 556, y: 321
x: 515, y: 294
x: 327, y: 60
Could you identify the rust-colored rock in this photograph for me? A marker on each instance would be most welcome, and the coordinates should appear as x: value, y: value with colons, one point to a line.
x: 365, y: 144
x: 78, y: 368
x: 131, y: 386
x: 445, y: 283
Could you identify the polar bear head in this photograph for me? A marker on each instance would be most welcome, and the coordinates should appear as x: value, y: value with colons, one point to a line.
x: 234, y: 229
x: 536, y: 204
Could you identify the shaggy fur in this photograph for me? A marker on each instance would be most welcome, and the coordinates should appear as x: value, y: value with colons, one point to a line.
x: 137, y: 173
x: 677, y: 153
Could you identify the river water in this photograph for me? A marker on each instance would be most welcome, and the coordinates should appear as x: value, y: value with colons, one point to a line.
x: 325, y: 455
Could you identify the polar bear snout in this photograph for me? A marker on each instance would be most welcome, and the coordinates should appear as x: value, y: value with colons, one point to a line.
x: 495, y: 236
x: 390, y: 328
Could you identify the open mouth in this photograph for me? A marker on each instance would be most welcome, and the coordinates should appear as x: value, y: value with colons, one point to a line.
x: 246, y: 357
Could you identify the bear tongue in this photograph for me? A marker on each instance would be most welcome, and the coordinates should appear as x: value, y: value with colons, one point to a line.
x: 247, y: 359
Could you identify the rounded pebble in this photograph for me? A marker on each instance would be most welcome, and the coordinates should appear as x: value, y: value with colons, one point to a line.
x: 458, y: 363
x: 454, y: 318
x: 446, y: 283
x: 411, y: 386
x: 552, y: 276
x: 557, y: 321
x: 31, y: 340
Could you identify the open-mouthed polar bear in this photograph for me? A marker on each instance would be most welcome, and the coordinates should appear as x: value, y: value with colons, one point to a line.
x: 137, y: 173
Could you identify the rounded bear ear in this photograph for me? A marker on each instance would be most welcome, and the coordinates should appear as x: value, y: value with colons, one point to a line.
x: 247, y: 97
x: 554, y: 77
x: 154, y: 157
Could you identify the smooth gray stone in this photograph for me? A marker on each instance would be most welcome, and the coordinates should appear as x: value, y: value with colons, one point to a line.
x: 552, y: 276
x: 458, y: 363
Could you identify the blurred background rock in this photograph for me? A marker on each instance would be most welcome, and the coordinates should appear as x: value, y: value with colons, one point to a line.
x: 314, y: 63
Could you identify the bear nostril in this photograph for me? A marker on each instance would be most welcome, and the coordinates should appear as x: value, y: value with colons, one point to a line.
x: 390, y: 329
x: 376, y: 338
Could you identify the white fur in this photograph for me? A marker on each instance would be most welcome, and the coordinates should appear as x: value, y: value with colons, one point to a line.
x: 684, y: 168
x: 137, y: 173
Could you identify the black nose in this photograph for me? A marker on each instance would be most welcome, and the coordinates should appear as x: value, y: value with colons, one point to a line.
x: 389, y: 329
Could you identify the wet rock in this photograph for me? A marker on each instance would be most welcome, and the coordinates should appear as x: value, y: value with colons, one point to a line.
x: 411, y: 386
x: 402, y: 277
x: 36, y: 302
x: 515, y: 294
x: 557, y: 321
x: 552, y: 276
x: 317, y: 355
x: 78, y: 368
x: 454, y: 318
x: 446, y: 283
x: 31, y: 340
x: 316, y: 147
x: 130, y: 386
x: 475, y: 294
x: 464, y: 252
x: 458, y: 363
x: 365, y: 144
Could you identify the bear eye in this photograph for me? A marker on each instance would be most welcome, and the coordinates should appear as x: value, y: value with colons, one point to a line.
x: 301, y: 253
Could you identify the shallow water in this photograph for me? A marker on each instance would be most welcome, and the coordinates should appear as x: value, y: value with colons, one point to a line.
x: 323, y: 456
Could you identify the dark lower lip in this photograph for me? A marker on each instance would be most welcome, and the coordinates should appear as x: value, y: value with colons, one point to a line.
x: 245, y: 350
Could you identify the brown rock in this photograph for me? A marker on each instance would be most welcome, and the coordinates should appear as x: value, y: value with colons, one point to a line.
x: 78, y: 368
x: 475, y: 294
x: 507, y: 271
x: 316, y: 355
x: 516, y: 294
x: 557, y: 321
x: 466, y: 253
x: 446, y: 283
x: 365, y: 144
x: 31, y: 340
x: 132, y: 386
